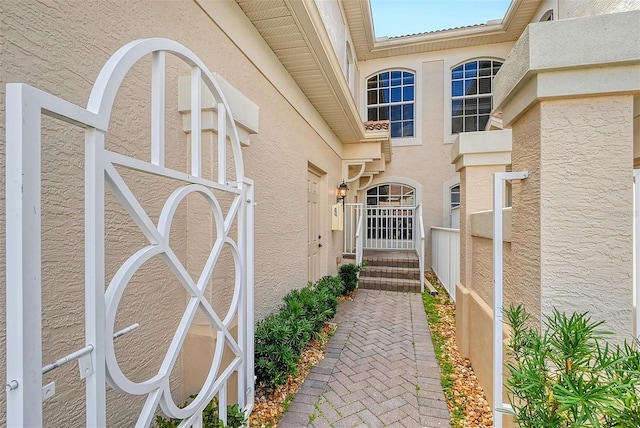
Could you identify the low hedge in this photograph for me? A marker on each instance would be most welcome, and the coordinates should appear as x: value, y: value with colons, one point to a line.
x: 280, y: 337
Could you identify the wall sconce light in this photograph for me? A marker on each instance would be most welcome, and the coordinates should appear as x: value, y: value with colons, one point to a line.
x: 342, y: 191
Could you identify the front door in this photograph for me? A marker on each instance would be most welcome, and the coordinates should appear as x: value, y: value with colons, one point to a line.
x: 314, y: 238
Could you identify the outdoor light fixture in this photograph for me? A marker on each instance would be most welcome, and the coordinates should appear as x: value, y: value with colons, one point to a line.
x: 342, y: 191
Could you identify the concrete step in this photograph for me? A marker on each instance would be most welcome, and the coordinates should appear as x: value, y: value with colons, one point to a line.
x: 390, y: 284
x: 393, y: 262
x: 373, y: 271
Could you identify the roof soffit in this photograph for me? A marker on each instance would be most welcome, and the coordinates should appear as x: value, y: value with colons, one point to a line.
x: 359, y: 19
x: 295, y: 32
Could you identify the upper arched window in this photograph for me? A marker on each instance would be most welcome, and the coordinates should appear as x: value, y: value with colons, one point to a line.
x: 548, y: 16
x: 471, y: 99
x: 349, y: 65
x: 390, y: 96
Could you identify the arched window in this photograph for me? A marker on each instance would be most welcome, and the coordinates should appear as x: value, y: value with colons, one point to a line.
x: 471, y: 99
x: 391, y: 195
x: 349, y: 65
x: 454, y: 196
x: 390, y: 96
x: 548, y: 16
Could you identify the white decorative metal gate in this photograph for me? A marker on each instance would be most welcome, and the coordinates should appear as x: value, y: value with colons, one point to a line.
x: 97, y: 359
x: 390, y: 217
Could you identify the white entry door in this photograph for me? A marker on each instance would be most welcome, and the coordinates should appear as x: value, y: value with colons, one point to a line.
x: 314, y: 237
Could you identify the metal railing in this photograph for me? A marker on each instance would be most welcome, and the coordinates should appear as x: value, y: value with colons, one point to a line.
x: 352, y: 214
x: 445, y: 257
x: 636, y: 250
x: 390, y: 228
x: 421, y: 236
x: 360, y: 236
x: 498, y: 264
x: 384, y: 228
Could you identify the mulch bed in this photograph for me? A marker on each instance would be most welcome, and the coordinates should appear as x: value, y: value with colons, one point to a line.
x: 271, y: 404
x: 468, y: 396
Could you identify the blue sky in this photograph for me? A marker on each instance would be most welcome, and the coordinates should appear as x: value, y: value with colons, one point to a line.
x: 402, y: 17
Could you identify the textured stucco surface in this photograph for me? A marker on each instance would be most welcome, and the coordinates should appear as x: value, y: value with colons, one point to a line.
x: 479, y: 335
x: 482, y: 224
x: 588, y: 44
x: 41, y: 48
x: 334, y: 23
x: 476, y: 194
x: 482, y: 277
x: 576, y: 8
x: 525, y: 215
x: 586, y: 208
x: 571, y: 230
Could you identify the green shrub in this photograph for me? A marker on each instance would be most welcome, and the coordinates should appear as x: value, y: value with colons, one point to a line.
x: 274, y: 357
x: 570, y: 376
x: 349, y: 276
x: 332, y: 284
x: 280, y: 337
x: 210, y: 417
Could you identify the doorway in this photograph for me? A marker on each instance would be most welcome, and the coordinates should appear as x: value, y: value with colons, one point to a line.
x: 314, y: 222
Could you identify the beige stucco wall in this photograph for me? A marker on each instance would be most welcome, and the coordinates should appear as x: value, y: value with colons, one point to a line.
x: 545, y: 6
x: 475, y: 304
x: 571, y: 235
x: 525, y: 231
x: 335, y: 24
x: 426, y: 158
x: 476, y: 194
x: 60, y: 48
x: 430, y: 85
x: 589, y: 165
x: 577, y: 8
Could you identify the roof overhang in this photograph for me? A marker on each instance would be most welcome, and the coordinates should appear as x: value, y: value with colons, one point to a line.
x: 367, y: 46
x: 296, y: 33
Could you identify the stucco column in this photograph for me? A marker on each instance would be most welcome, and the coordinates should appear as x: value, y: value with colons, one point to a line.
x: 571, y: 109
x: 477, y: 156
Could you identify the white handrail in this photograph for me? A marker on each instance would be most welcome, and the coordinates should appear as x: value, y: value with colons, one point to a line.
x: 351, y: 213
x: 360, y: 237
x: 498, y: 328
x: 421, y: 247
x: 636, y: 249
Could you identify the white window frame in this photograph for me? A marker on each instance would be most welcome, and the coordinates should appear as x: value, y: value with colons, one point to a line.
x: 397, y: 141
x: 447, y: 209
x: 464, y: 97
x: 349, y: 66
x: 548, y: 16
x: 380, y: 203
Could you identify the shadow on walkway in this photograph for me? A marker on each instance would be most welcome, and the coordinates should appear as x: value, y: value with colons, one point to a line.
x: 379, y: 369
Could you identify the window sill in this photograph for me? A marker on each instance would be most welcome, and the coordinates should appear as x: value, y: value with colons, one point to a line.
x: 400, y: 142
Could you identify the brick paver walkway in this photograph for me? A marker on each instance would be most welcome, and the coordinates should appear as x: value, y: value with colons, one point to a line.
x: 379, y: 369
